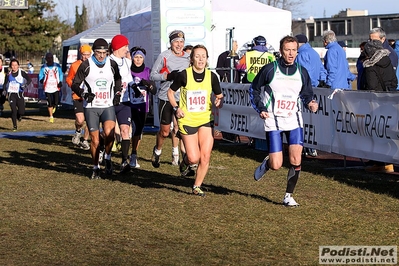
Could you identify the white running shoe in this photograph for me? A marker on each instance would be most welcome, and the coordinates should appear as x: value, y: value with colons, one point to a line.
x: 133, y: 161
x: 85, y: 145
x: 175, y: 159
x: 290, y: 202
x: 76, y: 138
x: 261, y: 170
x: 101, y: 157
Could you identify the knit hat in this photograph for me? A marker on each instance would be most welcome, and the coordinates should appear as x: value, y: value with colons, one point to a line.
x: 85, y: 48
x: 176, y: 35
x: 372, y: 46
x: 259, y: 40
x: 100, y: 44
x: 118, y: 42
x: 301, y: 38
x: 342, y: 43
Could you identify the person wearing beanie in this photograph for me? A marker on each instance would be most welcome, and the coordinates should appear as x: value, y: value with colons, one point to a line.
x: 102, y: 90
x: 165, y: 70
x: 140, y: 99
x: 85, y: 53
x: 310, y: 59
x: 51, y: 76
x: 119, y: 50
x: 252, y: 61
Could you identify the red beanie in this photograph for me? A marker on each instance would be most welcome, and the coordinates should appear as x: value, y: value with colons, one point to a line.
x: 119, y: 41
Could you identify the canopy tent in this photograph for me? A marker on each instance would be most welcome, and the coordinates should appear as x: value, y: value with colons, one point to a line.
x: 106, y: 30
x: 137, y: 28
x: 249, y: 19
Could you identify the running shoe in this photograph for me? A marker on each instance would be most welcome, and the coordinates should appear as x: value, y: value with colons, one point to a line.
x: 14, y: 129
x: 85, y: 145
x: 312, y: 152
x: 261, y: 170
x: 187, y: 170
x: 290, y: 202
x: 133, y: 161
x: 101, y: 156
x: 198, y: 191
x: 155, y: 158
x: 175, y: 159
x: 76, y: 138
x: 96, y: 174
x: 125, y: 167
x: 108, y: 167
x: 19, y: 118
x: 54, y: 109
x: 51, y: 120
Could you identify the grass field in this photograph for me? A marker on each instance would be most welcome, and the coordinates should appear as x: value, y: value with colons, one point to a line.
x: 53, y: 214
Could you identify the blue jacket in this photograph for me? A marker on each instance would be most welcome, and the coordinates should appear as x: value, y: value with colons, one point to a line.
x: 393, y: 56
x: 310, y: 59
x: 338, y: 74
x: 397, y: 53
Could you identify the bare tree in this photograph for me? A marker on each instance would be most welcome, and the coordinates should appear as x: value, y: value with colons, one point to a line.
x: 291, y: 5
x: 105, y: 10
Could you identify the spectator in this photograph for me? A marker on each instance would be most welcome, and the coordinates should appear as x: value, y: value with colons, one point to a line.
x: 397, y: 52
x: 51, y: 77
x: 30, y: 67
x: 378, y: 70
x: 188, y: 48
x: 253, y: 60
x: 270, y: 87
x: 165, y: 70
x: 103, y: 90
x: 85, y: 52
x: 227, y: 61
x: 14, y: 84
x: 195, y: 118
x: 338, y: 74
x: 310, y: 59
x: 119, y: 49
x: 379, y: 34
x: 359, y: 66
x: 140, y: 100
x: 2, y: 79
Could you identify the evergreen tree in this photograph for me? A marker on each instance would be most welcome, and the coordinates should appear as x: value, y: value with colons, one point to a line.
x: 30, y: 29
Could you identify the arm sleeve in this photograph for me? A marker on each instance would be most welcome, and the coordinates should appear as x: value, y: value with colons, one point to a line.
x: 26, y: 77
x: 307, y: 89
x: 215, y: 84
x: 263, y: 78
x: 117, y: 77
x: 156, y: 74
x: 71, y: 74
x: 81, y: 73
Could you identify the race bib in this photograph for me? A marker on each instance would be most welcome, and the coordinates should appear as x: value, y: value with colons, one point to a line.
x: 196, y: 100
x: 13, y: 87
x: 285, y: 104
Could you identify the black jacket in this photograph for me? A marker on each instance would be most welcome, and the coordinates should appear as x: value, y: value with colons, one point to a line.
x: 379, y: 75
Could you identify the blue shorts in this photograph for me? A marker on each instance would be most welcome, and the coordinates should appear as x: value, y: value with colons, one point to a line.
x: 275, y: 138
x: 123, y: 114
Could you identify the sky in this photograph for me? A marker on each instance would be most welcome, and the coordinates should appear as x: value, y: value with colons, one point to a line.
x: 315, y: 8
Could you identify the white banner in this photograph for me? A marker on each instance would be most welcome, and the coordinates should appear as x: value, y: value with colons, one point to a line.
x: 359, y: 124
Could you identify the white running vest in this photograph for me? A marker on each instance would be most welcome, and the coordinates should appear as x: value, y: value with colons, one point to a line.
x: 283, y: 105
x: 124, y: 70
x: 101, y: 82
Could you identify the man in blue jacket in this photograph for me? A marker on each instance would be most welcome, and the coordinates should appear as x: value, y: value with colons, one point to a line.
x: 338, y: 74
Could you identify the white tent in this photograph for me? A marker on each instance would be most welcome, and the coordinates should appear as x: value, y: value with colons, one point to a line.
x: 137, y: 28
x: 249, y: 19
x: 105, y: 30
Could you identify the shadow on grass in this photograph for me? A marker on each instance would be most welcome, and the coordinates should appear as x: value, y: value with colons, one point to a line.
x: 78, y: 162
x: 331, y: 167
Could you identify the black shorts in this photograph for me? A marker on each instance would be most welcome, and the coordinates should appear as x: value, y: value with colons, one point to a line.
x: 192, y: 130
x: 78, y: 106
x: 166, y: 112
x: 96, y: 115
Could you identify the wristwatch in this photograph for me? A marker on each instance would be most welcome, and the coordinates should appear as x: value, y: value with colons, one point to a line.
x: 175, y: 108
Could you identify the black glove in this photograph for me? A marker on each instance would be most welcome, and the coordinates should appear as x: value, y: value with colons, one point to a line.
x: 89, y: 97
x: 117, y: 99
x: 172, y: 75
x: 322, y: 83
x: 59, y: 84
x: 136, y: 90
x: 81, y: 92
x: 145, y: 83
x: 42, y: 80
